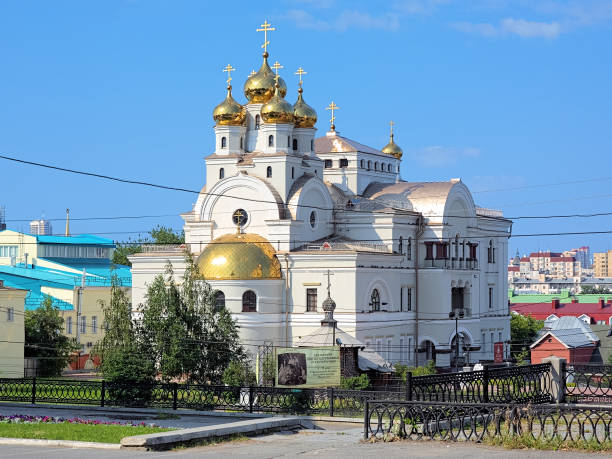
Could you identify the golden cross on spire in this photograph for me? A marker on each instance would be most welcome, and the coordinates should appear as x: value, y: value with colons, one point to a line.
x: 265, y: 28
x: 229, y: 69
x: 276, y: 66
x: 332, y: 107
x: 300, y: 72
x: 391, y: 124
x: 253, y: 72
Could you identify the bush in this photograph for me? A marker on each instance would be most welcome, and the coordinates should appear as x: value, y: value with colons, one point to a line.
x: 402, y: 370
x: 361, y: 382
x: 238, y: 373
x: 130, y: 377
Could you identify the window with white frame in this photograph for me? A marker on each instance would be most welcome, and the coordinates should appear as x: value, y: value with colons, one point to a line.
x: 69, y: 325
x: 83, y: 324
x: 94, y: 324
x: 8, y: 250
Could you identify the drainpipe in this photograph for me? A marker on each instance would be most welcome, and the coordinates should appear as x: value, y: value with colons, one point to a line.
x: 418, y: 234
x: 286, y: 300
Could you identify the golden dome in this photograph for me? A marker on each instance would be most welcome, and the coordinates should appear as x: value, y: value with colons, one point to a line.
x: 305, y: 115
x: 393, y: 149
x: 239, y: 257
x: 229, y: 112
x: 277, y: 110
x: 259, y: 87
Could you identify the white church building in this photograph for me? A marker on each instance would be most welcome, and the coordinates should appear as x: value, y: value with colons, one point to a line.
x: 281, y: 207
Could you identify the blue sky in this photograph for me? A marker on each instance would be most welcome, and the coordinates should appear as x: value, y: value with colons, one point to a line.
x: 503, y: 94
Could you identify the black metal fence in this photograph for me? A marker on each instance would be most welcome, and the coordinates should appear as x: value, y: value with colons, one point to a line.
x: 588, y: 383
x: 477, y: 422
x: 525, y: 384
x: 508, y: 385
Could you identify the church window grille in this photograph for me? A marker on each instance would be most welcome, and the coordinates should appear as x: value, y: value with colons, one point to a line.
x: 257, y: 121
x: 221, y: 173
x: 311, y: 300
x: 491, y: 252
x: 271, y: 141
x: 219, y: 300
x: 400, y: 245
x: 249, y: 301
x: 293, y: 172
x: 369, y: 165
x: 295, y: 144
x: 409, y: 249
x: 429, y: 250
x: 313, y: 219
x: 375, y: 300
x: 408, y: 299
x: 343, y: 163
x: 269, y: 171
x: 328, y: 164
x: 223, y: 142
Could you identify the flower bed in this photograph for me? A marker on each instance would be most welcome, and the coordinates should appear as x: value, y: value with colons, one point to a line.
x: 27, y: 419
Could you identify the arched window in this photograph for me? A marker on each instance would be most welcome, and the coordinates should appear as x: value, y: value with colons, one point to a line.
x: 295, y: 144
x: 382, y: 167
x: 269, y: 171
x: 219, y: 300
x: 313, y: 219
x: 241, y: 143
x: 223, y: 142
x: 221, y: 173
x: 400, y: 245
x: 293, y: 172
x: 271, y: 141
x: 375, y: 300
x: 376, y: 166
x: 361, y: 164
x: 249, y: 301
x: 312, y: 145
x: 369, y: 165
x: 491, y: 252
x: 390, y: 168
x: 257, y: 121
x: 409, y: 249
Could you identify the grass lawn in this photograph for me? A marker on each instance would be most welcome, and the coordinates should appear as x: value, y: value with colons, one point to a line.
x: 78, y: 432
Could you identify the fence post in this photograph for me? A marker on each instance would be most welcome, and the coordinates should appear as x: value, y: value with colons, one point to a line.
x: 485, y: 384
x: 251, y: 401
x: 331, y: 401
x: 174, y: 395
x: 33, y: 390
x: 556, y: 378
x: 409, y: 386
x: 102, y: 393
x: 366, y: 420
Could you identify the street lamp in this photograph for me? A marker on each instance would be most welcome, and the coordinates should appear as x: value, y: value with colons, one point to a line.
x: 456, y: 314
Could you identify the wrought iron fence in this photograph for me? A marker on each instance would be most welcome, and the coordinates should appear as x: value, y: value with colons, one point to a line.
x: 476, y: 422
x: 588, y: 383
x: 526, y: 384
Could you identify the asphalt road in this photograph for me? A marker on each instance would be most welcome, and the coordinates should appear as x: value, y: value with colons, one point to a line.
x: 343, y: 443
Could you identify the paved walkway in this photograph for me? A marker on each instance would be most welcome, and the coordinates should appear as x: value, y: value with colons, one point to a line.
x: 337, y: 444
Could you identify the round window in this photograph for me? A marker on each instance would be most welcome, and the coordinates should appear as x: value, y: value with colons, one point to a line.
x: 240, y: 217
x: 313, y: 219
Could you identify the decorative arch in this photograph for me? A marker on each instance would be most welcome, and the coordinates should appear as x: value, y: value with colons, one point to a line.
x: 462, y: 331
x: 378, y: 283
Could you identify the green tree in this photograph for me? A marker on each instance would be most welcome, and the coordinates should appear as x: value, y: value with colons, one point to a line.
x: 189, y: 337
x: 44, y: 339
x: 361, y: 382
x: 592, y: 290
x: 158, y: 235
x: 238, y: 373
x: 124, y: 356
x: 523, y: 330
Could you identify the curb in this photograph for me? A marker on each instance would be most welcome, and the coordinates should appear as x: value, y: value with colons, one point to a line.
x: 62, y: 443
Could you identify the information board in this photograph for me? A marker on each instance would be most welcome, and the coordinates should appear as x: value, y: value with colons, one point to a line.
x: 307, y: 367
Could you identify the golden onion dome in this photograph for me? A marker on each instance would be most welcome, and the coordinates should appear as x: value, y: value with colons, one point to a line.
x: 229, y: 112
x: 277, y: 110
x: 259, y: 87
x: 305, y: 115
x: 239, y: 257
x: 393, y: 149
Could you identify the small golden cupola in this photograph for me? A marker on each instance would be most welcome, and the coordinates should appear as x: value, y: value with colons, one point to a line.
x: 229, y: 112
x: 277, y: 110
x: 305, y: 116
x: 392, y: 148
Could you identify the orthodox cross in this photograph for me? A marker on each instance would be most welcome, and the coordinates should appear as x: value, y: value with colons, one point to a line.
x: 229, y: 69
x: 265, y: 28
x: 391, y: 123
x: 238, y: 219
x: 252, y: 73
x: 300, y: 72
x: 332, y: 107
x: 328, y: 283
x: 276, y: 66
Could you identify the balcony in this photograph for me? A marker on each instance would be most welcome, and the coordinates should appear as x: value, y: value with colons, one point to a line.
x: 451, y: 263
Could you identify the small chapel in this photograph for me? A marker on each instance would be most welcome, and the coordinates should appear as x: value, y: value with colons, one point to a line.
x: 417, y: 268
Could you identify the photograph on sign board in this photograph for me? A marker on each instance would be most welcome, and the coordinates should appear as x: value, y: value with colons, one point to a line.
x: 292, y: 369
